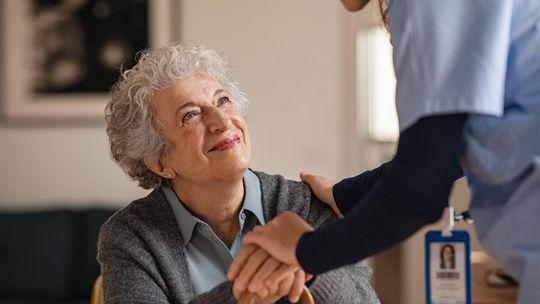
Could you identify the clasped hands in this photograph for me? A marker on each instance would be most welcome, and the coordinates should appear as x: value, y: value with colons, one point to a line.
x: 267, y: 265
x: 266, y: 277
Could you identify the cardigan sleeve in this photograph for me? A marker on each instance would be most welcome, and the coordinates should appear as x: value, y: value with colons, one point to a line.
x: 127, y: 277
x: 219, y: 294
x: 131, y: 275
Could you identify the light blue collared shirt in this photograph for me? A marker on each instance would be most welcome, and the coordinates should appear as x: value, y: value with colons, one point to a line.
x: 208, y: 257
x: 482, y: 57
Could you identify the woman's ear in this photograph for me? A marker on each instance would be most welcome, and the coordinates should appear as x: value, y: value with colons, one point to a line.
x: 160, y: 169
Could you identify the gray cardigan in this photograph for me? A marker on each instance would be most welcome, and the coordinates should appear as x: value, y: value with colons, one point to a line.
x: 142, y: 255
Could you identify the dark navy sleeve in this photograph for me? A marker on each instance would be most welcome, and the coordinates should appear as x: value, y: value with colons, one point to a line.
x: 384, y: 206
x: 352, y: 190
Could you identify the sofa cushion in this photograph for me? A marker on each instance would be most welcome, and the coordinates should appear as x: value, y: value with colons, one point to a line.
x: 35, y: 254
x: 87, y: 269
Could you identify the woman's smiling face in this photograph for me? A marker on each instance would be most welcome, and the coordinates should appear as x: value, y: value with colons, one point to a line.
x: 206, y: 135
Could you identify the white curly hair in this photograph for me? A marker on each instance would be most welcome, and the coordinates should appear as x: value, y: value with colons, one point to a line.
x: 134, y: 134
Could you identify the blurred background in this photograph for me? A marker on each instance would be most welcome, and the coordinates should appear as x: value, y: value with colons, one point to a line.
x: 319, y: 78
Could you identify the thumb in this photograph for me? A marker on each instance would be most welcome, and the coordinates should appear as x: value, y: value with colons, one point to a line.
x: 309, y: 178
x: 323, y: 189
x: 256, y: 237
x: 317, y: 183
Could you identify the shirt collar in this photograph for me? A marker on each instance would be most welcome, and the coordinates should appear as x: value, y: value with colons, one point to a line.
x: 187, y: 221
x: 252, y: 196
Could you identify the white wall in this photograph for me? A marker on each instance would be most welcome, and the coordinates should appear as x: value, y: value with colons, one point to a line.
x: 286, y: 54
x: 47, y: 167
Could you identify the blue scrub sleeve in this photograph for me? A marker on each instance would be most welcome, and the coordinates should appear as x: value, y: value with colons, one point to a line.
x: 384, y: 206
x: 449, y: 56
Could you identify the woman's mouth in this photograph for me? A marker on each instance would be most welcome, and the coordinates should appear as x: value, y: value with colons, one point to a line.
x: 226, y: 144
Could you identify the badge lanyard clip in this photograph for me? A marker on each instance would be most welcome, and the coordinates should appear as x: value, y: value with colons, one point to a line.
x: 450, y: 217
x: 448, y: 221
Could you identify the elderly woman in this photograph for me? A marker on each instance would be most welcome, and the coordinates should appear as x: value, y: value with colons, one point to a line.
x: 176, y: 125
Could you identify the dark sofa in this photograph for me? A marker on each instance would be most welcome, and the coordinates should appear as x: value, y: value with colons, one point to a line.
x: 49, y: 256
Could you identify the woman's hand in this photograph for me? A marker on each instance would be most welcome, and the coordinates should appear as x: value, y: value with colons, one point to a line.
x: 322, y: 187
x: 278, y: 237
x: 259, y: 266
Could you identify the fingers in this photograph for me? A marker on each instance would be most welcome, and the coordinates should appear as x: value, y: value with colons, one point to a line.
x: 316, y: 181
x: 240, y: 261
x: 281, y: 289
x: 323, y: 189
x: 253, y: 238
x: 255, y: 260
x: 279, y: 274
x: 321, y: 186
x: 258, y: 267
x: 272, y: 292
x: 257, y: 281
x: 297, y: 287
x: 256, y: 236
x: 279, y: 237
x: 236, y: 291
x: 265, y: 276
x: 260, y: 237
x: 308, y: 177
x: 286, y: 285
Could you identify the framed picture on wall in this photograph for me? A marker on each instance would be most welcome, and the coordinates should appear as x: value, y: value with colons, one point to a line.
x: 59, y: 58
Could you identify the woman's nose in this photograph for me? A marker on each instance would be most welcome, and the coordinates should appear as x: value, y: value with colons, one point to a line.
x: 217, y: 120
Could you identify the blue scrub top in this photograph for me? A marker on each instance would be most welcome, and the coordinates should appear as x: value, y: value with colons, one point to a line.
x: 482, y: 57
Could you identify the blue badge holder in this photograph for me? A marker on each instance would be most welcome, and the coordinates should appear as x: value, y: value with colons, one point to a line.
x: 448, y: 286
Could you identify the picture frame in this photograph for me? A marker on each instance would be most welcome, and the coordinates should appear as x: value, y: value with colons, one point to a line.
x: 37, y: 86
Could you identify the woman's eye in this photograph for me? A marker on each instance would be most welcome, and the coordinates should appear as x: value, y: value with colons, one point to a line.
x: 223, y: 100
x: 189, y: 116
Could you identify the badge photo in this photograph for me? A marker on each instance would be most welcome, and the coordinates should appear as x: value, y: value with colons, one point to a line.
x: 448, y: 270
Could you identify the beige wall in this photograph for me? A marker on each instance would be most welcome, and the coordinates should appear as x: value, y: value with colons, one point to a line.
x: 287, y: 55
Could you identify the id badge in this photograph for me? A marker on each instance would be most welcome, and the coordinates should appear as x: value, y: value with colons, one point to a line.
x: 448, y: 268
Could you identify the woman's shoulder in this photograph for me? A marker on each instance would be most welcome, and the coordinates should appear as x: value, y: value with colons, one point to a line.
x: 276, y: 183
x: 283, y: 193
x: 143, y: 215
x: 280, y: 194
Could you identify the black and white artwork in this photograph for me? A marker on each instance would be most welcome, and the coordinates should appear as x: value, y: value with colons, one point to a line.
x: 61, y: 57
x: 79, y: 45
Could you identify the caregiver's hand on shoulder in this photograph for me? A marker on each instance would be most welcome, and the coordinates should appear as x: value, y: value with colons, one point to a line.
x: 322, y: 187
x: 252, y: 275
